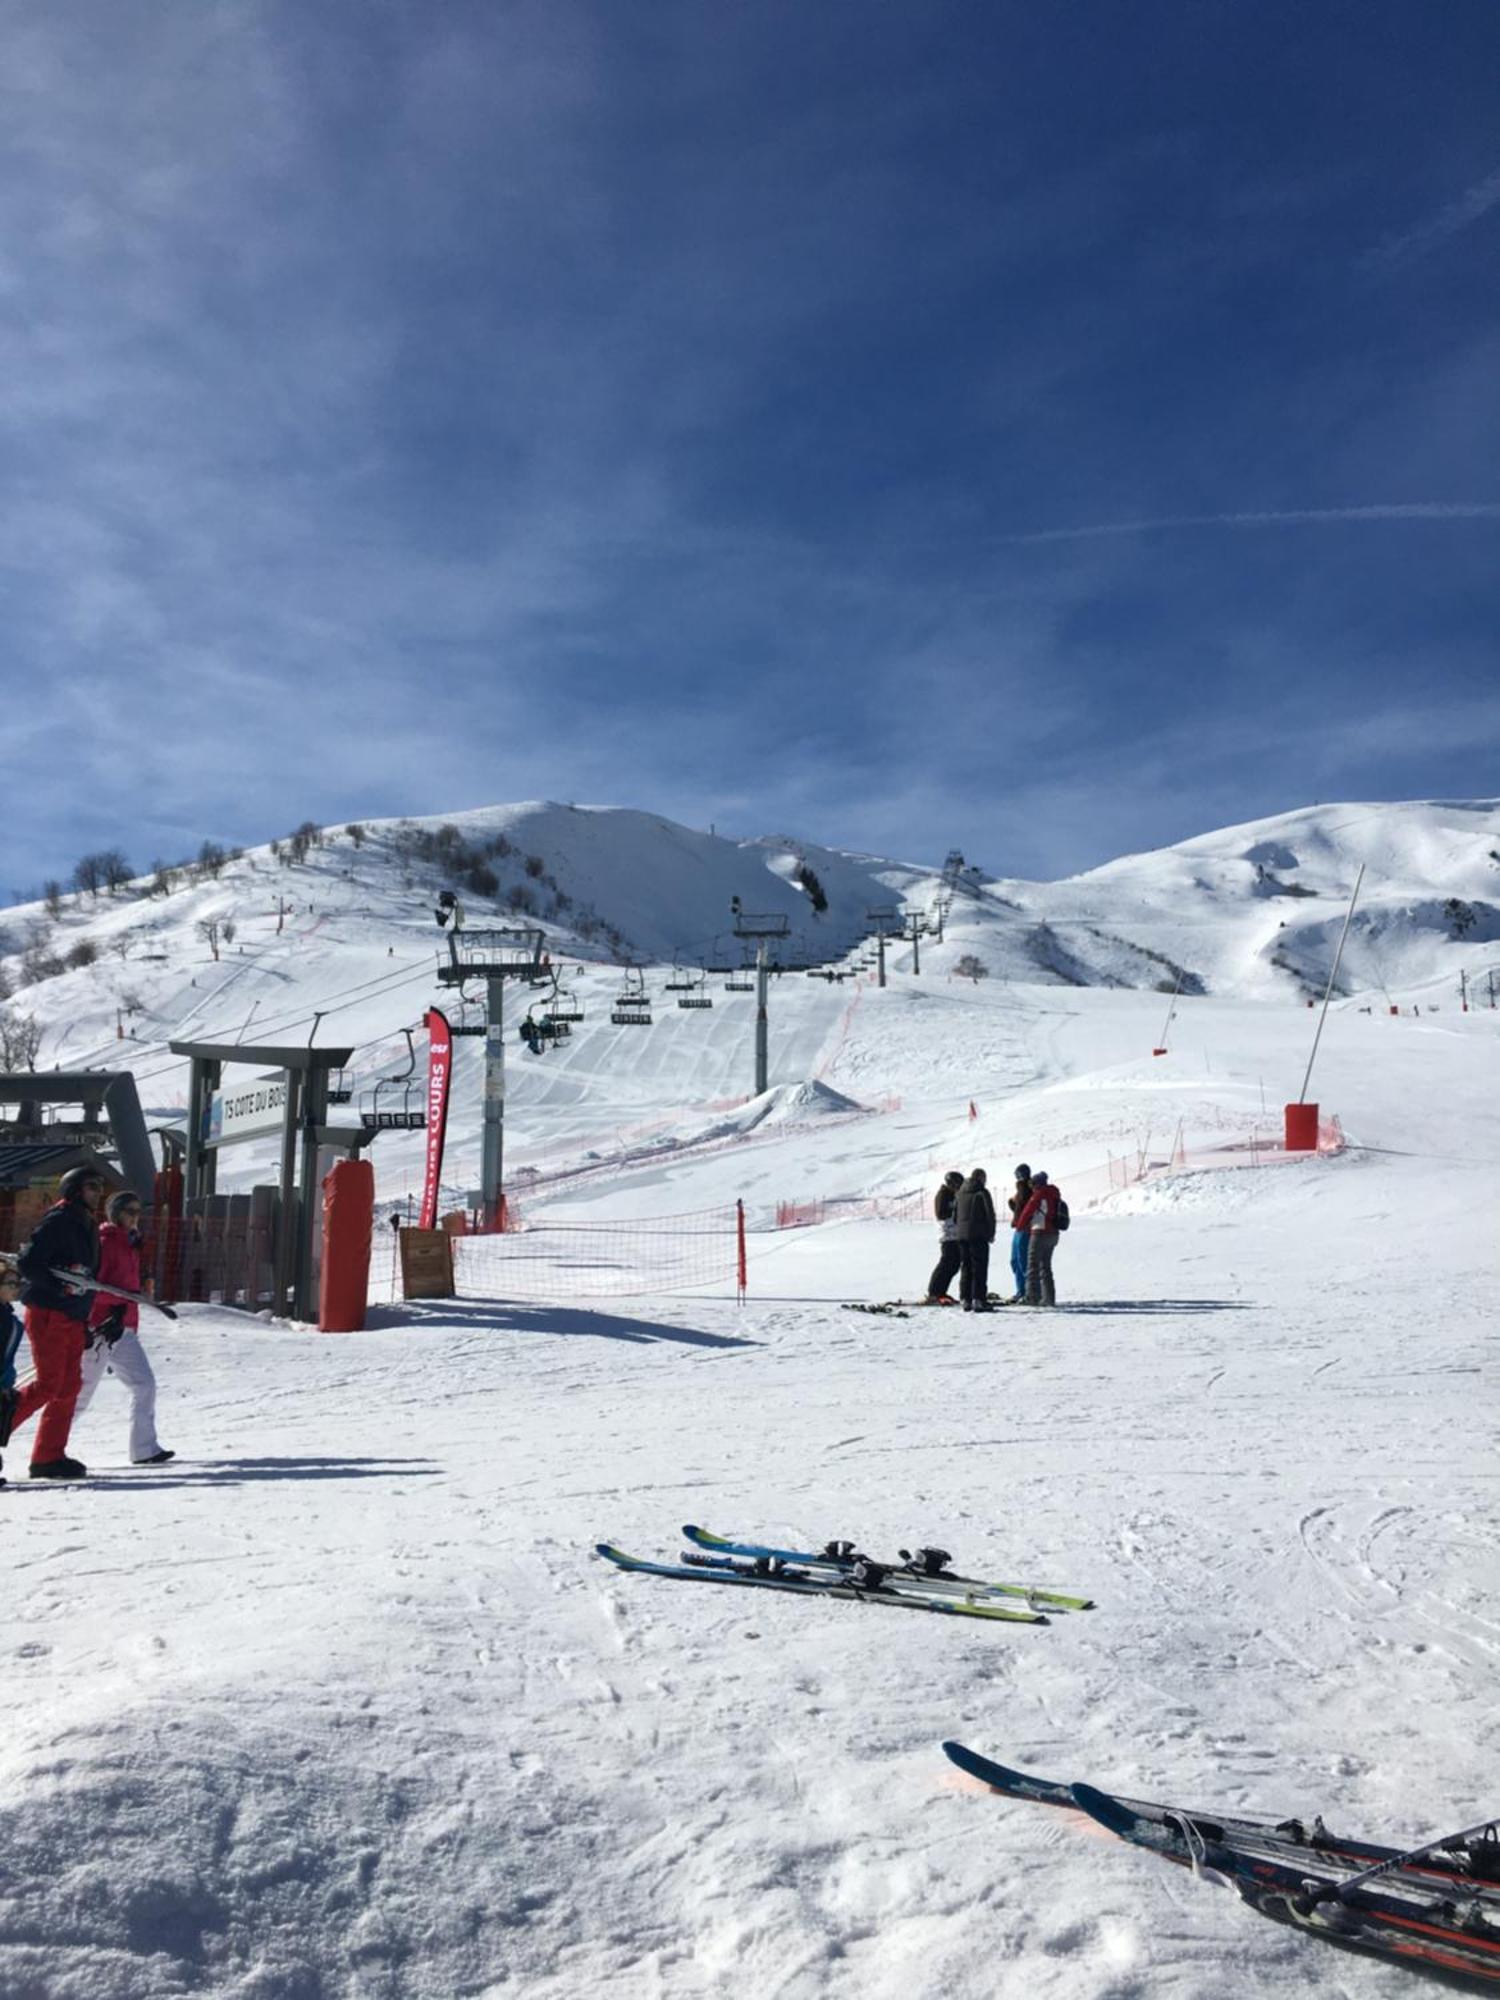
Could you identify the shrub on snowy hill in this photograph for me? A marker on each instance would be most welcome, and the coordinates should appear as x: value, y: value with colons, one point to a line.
x: 805, y: 878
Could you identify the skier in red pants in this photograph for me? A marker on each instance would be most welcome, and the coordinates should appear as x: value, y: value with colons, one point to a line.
x: 56, y: 1319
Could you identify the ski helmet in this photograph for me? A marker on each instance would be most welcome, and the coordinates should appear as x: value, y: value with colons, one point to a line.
x: 1023, y: 1172
x: 1039, y: 1179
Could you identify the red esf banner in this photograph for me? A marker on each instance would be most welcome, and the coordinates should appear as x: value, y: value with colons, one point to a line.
x: 439, y: 1077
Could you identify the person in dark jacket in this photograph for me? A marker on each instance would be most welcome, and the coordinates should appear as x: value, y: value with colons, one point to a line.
x: 10, y: 1341
x: 1019, y: 1240
x: 950, y: 1257
x: 974, y: 1213
x: 57, y: 1314
x: 1039, y: 1220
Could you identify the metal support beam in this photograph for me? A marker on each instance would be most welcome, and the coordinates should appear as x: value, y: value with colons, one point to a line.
x: 883, y: 920
x: 492, y: 1166
x: 761, y: 929
x: 312, y: 1114
x: 200, y: 1165
x: 287, y: 1222
x: 762, y: 1020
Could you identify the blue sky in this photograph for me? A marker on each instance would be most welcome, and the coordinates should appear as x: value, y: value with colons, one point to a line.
x: 1047, y: 430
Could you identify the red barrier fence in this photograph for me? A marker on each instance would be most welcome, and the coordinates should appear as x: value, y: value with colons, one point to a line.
x: 914, y: 1206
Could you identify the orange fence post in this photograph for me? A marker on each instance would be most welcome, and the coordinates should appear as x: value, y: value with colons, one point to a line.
x: 348, y: 1220
x: 1302, y: 1128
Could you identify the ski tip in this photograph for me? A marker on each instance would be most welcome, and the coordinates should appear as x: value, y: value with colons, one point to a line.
x: 1109, y: 1811
x: 973, y: 1765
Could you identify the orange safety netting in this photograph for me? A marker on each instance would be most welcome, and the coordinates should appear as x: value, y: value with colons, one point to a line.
x: 556, y: 1260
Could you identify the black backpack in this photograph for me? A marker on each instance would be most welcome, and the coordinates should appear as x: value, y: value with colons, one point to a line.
x: 1063, y: 1217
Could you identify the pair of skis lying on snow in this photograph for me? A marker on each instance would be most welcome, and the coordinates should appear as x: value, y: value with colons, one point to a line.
x: 1434, y: 1909
x: 920, y: 1581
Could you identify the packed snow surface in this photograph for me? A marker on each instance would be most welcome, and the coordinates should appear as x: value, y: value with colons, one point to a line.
x: 340, y: 1706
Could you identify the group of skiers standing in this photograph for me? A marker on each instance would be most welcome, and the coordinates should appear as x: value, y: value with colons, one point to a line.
x: 77, y: 1333
x: 965, y: 1211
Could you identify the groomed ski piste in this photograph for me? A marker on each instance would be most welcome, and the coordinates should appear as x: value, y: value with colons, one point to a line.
x: 341, y: 1705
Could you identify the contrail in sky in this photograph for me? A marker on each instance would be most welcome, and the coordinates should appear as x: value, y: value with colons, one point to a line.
x: 1417, y: 510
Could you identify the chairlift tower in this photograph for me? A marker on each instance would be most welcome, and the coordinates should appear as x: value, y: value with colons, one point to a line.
x: 760, y: 931
x: 493, y: 956
x: 887, y: 923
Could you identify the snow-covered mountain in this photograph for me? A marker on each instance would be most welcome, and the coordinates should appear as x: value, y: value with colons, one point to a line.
x: 1252, y: 911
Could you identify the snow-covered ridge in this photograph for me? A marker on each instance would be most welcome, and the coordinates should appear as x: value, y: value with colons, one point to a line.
x: 257, y: 947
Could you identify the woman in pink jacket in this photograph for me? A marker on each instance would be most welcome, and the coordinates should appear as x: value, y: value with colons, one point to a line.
x: 114, y: 1344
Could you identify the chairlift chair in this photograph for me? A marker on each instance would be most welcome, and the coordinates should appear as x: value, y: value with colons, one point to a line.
x: 396, y: 1103
x: 681, y: 981
x: 340, y: 1090
x: 697, y: 994
x: 471, y: 1018
x: 632, y: 1009
x: 562, y: 1006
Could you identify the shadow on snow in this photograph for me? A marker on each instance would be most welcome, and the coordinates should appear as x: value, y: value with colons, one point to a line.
x: 495, y: 1315
x: 1151, y: 1306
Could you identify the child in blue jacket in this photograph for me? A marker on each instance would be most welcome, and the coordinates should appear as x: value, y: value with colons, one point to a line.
x: 10, y: 1341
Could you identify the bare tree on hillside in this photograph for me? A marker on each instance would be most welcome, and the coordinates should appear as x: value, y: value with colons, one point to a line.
x: 227, y: 930
x: 83, y: 953
x: 20, y: 1041
x: 208, y: 929
x: 87, y: 874
x: 970, y: 967
x: 356, y: 832
x: 52, y: 895
x: 115, y: 869
x: 211, y: 859
x: 163, y: 878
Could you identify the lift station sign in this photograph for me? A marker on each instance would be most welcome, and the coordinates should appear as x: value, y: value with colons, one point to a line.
x: 248, y: 1109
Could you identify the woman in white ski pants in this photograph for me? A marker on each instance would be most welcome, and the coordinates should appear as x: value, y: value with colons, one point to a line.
x: 123, y: 1355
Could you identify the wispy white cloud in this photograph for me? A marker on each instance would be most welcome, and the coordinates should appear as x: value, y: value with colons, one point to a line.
x: 1468, y: 208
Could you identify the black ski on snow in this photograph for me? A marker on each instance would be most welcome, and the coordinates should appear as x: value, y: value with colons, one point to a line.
x: 779, y: 1576
x: 1435, y: 1910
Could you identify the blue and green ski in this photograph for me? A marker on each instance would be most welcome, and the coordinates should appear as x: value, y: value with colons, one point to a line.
x: 800, y: 1583
x: 838, y: 1558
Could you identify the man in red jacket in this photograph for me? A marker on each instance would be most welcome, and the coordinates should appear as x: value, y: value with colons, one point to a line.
x: 56, y: 1315
x: 1039, y: 1219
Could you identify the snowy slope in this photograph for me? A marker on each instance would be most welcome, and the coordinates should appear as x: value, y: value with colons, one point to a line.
x: 1256, y: 909
x: 339, y: 1706
x: 347, y: 935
